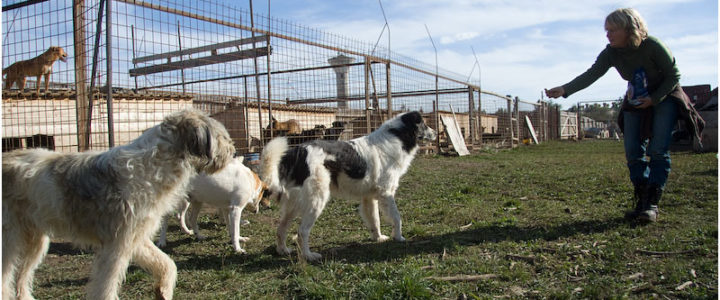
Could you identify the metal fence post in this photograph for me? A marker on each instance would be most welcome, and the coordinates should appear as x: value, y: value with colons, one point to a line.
x: 510, y: 121
x: 108, y: 45
x: 367, y: 95
x: 517, y: 119
x: 471, y: 114
x: 388, y: 89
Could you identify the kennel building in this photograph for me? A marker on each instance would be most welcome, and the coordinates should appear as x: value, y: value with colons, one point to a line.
x: 131, y: 62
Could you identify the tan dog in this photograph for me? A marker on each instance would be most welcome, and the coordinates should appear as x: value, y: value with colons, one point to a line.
x: 38, y: 66
x: 291, y: 126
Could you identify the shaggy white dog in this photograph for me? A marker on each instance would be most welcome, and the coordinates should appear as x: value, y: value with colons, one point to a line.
x: 230, y: 190
x: 111, y: 201
x: 366, y: 168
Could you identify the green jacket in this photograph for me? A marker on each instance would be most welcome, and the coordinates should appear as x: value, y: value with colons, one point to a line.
x: 657, y: 60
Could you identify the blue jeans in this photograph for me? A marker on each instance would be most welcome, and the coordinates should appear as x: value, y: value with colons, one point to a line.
x: 657, y: 147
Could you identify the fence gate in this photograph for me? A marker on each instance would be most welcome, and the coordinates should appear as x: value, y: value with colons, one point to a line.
x: 568, y: 125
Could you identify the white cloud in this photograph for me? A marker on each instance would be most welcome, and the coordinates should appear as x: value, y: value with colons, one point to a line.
x: 458, y: 37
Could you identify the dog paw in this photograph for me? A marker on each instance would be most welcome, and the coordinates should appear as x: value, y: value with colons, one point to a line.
x: 244, y: 222
x: 243, y: 239
x: 382, y: 238
x: 284, y: 251
x: 239, y: 250
x: 399, y: 239
x: 312, y: 256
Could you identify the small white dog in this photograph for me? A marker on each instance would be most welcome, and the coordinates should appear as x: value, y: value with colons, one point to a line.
x: 112, y: 201
x: 366, y: 168
x: 230, y: 190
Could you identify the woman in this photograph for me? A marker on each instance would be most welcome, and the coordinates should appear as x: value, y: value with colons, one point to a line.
x: 653, y: 103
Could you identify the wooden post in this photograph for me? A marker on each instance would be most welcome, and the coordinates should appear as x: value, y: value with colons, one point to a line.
x: 82, y: 102
x: 578, y: 121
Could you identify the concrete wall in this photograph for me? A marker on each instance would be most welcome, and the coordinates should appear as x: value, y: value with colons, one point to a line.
x: 23, y: 118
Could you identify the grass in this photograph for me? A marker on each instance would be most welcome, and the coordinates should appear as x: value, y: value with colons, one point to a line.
x: 544, y: 221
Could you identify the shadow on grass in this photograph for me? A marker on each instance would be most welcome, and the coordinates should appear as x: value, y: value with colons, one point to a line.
x: 363, y: 252
x: 475, y: 236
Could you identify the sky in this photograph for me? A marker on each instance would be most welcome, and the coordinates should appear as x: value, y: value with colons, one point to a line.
x: 522, y: 46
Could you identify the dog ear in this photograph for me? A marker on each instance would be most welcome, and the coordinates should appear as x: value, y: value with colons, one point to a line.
x: 197, y: 139
x: 204, y: 142
x: 412, y: 117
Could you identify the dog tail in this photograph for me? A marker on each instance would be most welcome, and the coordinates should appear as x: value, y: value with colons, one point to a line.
x: 270, y: 161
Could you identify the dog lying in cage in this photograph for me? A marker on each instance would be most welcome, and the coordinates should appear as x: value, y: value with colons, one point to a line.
x: 291, y: 126
x: 38, y: 66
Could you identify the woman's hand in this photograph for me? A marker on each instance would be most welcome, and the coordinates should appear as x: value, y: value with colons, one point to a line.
x: 645, y: 102
x: 555, y: 92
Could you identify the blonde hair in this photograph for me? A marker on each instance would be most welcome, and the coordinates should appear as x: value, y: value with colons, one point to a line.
x: 630, y: 20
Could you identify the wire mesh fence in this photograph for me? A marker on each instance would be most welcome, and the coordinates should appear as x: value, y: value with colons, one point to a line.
x: 132, y: 62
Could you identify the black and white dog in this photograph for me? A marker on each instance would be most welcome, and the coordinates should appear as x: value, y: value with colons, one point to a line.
x: 366, y: 168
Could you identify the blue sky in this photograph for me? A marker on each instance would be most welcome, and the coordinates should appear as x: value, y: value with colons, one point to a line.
x: 522, y: 46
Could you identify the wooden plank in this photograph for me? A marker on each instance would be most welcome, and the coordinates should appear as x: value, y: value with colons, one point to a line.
x: 454, y: 135
x: 202, y: 61
x: 532, y: 129
x: 257, y: 39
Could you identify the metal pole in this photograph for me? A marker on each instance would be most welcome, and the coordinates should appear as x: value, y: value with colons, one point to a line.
x: 479, y: 110
x: 437, y: 96
x: 182, y: 71
x: 247, y: 115
x: 267, y: 60
x: 517, y: 119
x: 257, y: 85
x: 93, y: 73
x: 510, y: 122
x: 388, y: 92
x: 132, y: 34
x: 471, y: 114
x: 367, y: 95
x: 269, y: 85
x: 108, y: 45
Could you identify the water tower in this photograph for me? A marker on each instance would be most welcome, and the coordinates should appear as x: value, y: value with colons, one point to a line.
x: 340, y: 65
